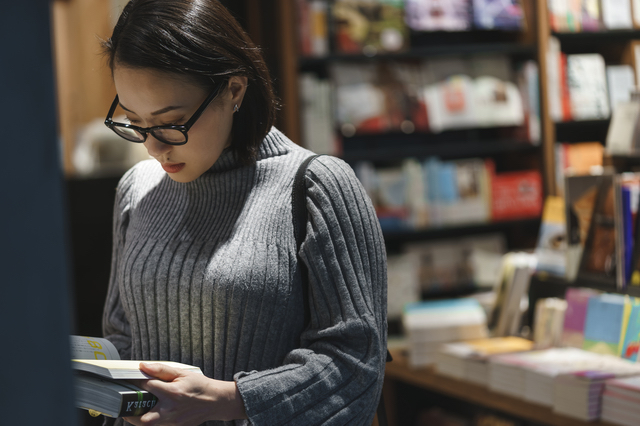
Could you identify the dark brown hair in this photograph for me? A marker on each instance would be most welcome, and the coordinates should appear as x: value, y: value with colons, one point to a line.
x: 200, y: 40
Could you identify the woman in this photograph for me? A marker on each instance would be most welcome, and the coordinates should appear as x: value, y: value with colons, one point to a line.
x: 204, y: 267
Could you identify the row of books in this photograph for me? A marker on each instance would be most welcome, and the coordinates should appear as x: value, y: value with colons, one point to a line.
x: 429, y: 324
x: 573, y: 382
x: 582, y: 87
x: 369, y: 27
x: 430, y: 96
x: 568, y: 380
x: 604, y: 323
x: 593, y: 15
x: 444, y: 266
x: 436, y: 193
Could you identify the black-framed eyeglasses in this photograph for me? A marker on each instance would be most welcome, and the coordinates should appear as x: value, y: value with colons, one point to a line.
x: 171, y: 134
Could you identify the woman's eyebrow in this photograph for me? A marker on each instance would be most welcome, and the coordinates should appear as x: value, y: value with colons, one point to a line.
x: 158, y: 112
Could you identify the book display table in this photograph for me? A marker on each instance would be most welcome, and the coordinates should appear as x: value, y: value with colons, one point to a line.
x: 398, y: 371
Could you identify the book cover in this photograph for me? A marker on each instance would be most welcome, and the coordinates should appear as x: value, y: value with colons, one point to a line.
x: 624, y: 132
x: 565, y: 91
x: 313, y: 35
x: 591, y: 19
x: 438, y: 15
x: 558, y: 10
x: 516, y: 195
x: 616, y: 14
x: 575, y: 315
x: 549, y: 322
x: 631, y: 335
x: 580, y: 196
x: 498, y: 14
x: 448, y: 265
x: 554, y: 89
x: 369, y: 27
x: 599, y: 255
x: 635, y: 7
x: 527, y: 78
x: 111, y: 398
x: 587, y: 82
x: 451, y: 103
x: 603, y: 324
x: 551, y: 247
x: 621, y: 81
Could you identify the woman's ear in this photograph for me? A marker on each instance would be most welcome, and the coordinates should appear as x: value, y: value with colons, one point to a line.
x: 237, y: 89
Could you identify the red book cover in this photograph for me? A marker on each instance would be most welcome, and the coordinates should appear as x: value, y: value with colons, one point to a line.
x: 304, y: 30
x: 516, y: 195
x: 564, y: 87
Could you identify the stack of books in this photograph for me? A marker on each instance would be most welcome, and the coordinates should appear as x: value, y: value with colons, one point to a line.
x: 528, y: 375
x: 579, y: 394
x: 621, y: 401
x: 101, y: 379
x: 429, y: 324
x: 470, y: 360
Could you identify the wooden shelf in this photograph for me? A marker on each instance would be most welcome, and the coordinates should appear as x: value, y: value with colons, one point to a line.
x: 582, y: 131
x: 446, y: 146
x: 399, y: 370
x: 435, y: 50
x: 452, y: 231
x: 556, y: 286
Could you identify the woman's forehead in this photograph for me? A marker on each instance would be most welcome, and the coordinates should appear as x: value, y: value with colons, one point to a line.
x: 143, y: 90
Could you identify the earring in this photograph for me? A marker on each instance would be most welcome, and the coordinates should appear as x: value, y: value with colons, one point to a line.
x: 236, y: 108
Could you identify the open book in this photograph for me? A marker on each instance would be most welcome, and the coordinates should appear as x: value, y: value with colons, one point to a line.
x: 101, y: 379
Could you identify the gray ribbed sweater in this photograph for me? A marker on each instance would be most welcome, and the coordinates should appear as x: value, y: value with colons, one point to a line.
x: 206, y: 273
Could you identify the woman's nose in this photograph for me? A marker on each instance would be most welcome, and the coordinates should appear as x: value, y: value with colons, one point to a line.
x: 155, y: 148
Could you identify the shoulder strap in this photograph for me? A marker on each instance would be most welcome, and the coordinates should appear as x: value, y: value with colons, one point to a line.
x: 299, y: 208
x: 299, y: 201
x: 299, y: 197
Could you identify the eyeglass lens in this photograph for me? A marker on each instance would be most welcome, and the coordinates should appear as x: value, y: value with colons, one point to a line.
x: 170, y: 136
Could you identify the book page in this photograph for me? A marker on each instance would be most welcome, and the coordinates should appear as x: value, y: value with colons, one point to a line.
x: 83, y: 347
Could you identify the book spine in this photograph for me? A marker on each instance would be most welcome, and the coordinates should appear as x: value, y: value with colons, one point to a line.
x: 136, y: 403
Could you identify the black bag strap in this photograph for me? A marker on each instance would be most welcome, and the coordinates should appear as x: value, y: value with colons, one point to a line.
x: 299, y: 208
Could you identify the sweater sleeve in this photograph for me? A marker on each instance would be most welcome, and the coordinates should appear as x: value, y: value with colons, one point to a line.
x: 336, y: 377
x: 115, y: 326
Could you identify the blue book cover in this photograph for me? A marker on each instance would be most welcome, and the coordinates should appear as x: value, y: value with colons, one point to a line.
x: 603, y: 325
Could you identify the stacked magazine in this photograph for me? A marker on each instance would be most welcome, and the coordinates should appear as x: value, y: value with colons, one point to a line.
x: 580, y: 394
x: 470, y: 360
x: 429, y: 324
x: 621, y: 401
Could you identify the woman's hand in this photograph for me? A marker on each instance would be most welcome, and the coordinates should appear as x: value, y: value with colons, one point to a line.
x: 186, y: 398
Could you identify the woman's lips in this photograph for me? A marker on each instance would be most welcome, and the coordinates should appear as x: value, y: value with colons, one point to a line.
x: 172, y: 167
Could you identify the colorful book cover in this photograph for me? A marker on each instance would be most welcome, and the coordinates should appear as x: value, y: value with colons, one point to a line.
x: 603, y: 324
x: 598, y: 257
x: 552, y: 239
x: 575, y: 316
x: 580, y: 196
x: 587, y: 82
x: 516, y: 195
x: 369, y: 27
x: 591, y: 15
x: 631, y: 337
x: 438, y: 15
x: 498, y: 14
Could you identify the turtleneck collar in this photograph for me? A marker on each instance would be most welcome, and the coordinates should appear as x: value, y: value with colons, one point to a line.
x: 273, y: 145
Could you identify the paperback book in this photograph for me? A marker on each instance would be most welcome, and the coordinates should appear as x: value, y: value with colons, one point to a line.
x: 101, y: 379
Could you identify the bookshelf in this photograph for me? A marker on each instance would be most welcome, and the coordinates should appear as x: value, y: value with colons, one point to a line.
x: 505, y: 147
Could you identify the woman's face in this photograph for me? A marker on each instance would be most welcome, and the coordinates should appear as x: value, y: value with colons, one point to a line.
x: 152, y: 98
